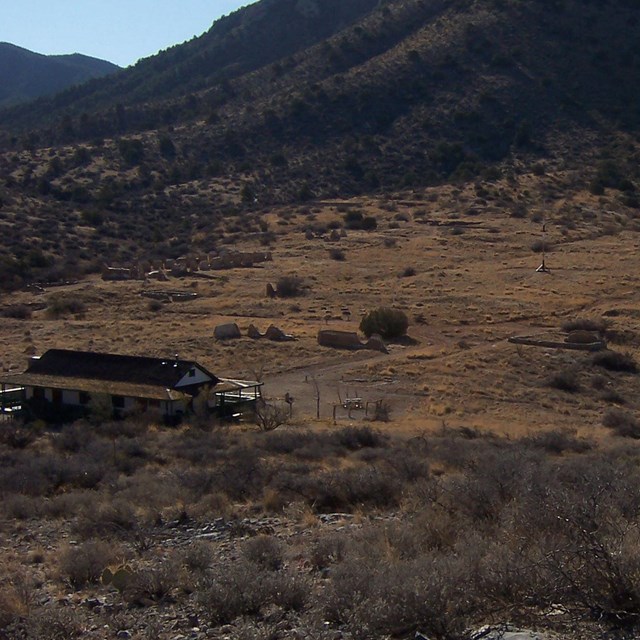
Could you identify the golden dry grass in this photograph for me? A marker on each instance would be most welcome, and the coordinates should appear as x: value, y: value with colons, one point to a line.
x: 475, y: 285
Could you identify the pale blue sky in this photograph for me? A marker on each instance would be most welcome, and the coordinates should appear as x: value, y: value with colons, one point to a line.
x: 121, y: 31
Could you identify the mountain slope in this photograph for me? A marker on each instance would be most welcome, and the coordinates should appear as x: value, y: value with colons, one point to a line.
x: 246, y: 40
x: 410, y: 93
x: 25, y: 75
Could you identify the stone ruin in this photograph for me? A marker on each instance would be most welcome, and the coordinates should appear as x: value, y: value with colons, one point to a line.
x: 349, y: 340
x: 231, y: 331
x: 185, y: 265
x: 272, y: 333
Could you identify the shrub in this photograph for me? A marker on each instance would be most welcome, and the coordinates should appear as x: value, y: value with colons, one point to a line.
x: 353, y: 220
x: 408, y: 272
x: 17, y: 312
x: 337, y: 254
x: 622, y: 423
x: 354, y: 438
x: 388, y: 323
x: 369, y: 223
x: 558, y: 441
x: 61, y: 305
x: 566, y: 380
x: 597, y: 325
x: 84, y: 563
x: 269, y: 416
x: 234, y: 590
x: 538, y: 246
x: 289, y: 287
x: 153, y: 584
x: 615, y: 361
x: 264, y: 551
x: 198, y: 556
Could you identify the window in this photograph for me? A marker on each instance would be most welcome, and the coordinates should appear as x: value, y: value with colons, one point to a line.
x: 192, y: 373
x: 117, y: 402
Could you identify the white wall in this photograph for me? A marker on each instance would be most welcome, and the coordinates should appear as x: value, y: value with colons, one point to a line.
x: 199, y: 378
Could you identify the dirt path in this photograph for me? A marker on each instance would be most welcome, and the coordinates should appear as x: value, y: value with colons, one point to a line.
x: 339, y: 378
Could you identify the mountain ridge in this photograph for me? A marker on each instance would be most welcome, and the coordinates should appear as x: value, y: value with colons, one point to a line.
x: 26, y: 75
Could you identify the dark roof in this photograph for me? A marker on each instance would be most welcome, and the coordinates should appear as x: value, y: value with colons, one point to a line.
x: 150, y: 392
x: 88, y: 365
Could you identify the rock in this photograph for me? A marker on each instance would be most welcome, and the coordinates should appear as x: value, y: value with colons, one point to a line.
x: 253, y: 332
x: 277, y: 335
x: 124, y: 635
x: 229, y: 331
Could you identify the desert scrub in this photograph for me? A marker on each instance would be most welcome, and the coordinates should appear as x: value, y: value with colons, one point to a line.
x: 83, y: 564
x: 386, y: 322
x: 615, y: 361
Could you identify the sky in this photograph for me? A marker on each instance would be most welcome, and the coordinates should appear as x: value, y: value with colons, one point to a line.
x: 120, y: 31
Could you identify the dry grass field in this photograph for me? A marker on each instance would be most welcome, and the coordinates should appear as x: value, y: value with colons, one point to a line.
x: 460, y: 265
x: 501, y: 487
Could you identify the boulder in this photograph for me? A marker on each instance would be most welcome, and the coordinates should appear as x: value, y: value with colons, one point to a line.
x: 277, y: 335
x: 253, y: 332
x: 229, y: 331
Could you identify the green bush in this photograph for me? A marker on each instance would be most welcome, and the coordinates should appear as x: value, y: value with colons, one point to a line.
x: 388, y: 323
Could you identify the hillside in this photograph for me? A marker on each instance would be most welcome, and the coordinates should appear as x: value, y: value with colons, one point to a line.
x: 286, y: 102
x: 237, y: 44
x: 25, y: 75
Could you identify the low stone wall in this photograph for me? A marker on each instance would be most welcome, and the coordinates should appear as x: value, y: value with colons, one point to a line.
x: 349, y: 340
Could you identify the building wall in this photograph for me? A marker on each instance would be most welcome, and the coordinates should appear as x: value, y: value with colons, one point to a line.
x: 72, y: 398
x: 198, y: 377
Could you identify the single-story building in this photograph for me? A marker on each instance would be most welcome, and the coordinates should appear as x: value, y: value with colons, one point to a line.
x: 63, y: 384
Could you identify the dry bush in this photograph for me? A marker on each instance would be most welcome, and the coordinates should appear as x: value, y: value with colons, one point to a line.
x: 346, y: 489
x: 329, y: 549
x: 290, y: 287
x: 269, y: 415
x: 198, y: 556
x: 432, y: 594
x: 558, y: 441
x: 615, y: 361
x: 354, y: 438
x: 267, y: 552
x: 596, y: 325
x: 17, y: 312
x: 84, y: 563
x: 115, y: 518
x: 240, y: 589
x: 12, y: 606
x: 151, y: 584
x: 621, y: 422
x: 53, y: 623
x: 62, y: 305
x: 566, y: 380
x: 539, y: 246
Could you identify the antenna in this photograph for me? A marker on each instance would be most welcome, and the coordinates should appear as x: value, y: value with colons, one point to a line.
x: 543, y: 267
